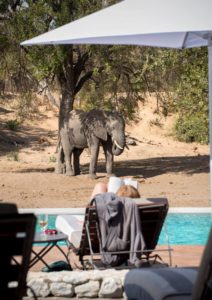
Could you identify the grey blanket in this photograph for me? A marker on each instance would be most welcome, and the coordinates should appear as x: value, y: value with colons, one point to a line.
x: 120, y: 228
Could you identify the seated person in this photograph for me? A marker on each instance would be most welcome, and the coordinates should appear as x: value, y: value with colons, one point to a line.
x: 121, y: 187
x: 119, y: 224
x: 128, y: 191
x: 72, y: 225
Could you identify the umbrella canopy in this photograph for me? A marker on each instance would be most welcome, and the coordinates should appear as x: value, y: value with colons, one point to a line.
x: 164, y: 23
x: 159, y: 23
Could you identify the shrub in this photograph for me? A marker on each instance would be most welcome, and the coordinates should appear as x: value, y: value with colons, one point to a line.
x: 13, y: 156
x: 27, y: 106
x: 191, y: 99
x: 13, y: 124
x: 193, y: 128
x: 52, y: 158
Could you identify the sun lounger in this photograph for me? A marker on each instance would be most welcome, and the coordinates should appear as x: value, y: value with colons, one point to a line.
x: 84, y: 236
x: 172, y: 283
x: 71, y: 225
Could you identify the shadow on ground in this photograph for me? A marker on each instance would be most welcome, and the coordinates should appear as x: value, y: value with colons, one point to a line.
x: 5, y: 111
x: 155, y: 166
x: 146, y: 168
x: 35, y: 138
x: 25, y: 137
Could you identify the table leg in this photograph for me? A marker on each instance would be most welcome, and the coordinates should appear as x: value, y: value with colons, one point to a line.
x: 38, y: 256
x: 63, y: 252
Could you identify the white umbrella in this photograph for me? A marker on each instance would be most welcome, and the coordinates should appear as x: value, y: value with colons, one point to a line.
x: 160, y: 23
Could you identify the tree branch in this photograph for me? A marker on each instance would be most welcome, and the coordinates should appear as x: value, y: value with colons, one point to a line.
x: 82, y: 81
x: 44, y: 89
x: 79, y: 67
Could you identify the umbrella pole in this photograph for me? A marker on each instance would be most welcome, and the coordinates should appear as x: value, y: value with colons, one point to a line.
x: 210, y: 109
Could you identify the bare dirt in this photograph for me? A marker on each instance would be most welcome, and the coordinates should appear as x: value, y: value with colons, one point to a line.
x: 163, y: 166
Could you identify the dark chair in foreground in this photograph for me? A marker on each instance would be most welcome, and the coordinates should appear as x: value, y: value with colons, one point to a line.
x: 152, y: 215
x: 8, y: 208
x: 16, y: 237
x: 172, y: 283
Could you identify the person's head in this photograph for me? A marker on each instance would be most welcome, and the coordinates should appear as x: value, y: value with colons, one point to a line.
x: 128, y: 191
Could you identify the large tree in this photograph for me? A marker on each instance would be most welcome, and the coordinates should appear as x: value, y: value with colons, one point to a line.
x: 103, y: 76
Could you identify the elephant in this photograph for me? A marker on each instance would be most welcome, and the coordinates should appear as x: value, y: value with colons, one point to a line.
x: 90, y: 130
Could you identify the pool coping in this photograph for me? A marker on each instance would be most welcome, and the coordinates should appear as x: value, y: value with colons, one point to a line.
x: 81, y: 210
x: 190, y: 210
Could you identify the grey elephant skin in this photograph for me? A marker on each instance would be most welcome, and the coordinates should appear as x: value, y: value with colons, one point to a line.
x: 90, y: 130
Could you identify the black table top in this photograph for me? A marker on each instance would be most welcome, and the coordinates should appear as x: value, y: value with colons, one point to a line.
x: 49, y: 238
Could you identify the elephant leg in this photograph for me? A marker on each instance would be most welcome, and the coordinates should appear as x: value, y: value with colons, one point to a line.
x: 60, y: 167
x: 107, y: 147
x: 68, y: 165
x: 94, y: 148
x: 76, y: 164
x: 67, y: 149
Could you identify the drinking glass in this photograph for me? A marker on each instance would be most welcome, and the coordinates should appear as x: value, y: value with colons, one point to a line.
x: 43, y: 222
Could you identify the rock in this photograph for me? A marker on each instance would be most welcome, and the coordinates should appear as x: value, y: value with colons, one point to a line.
x: 76, y: 278
x: 89, y: 289
x: 68, y: 284
x: 55, y: 277
x: 62, y: 289
x: 111, y: 288
x: 33, y: 275
x: 96, y: 275
x: 39, y: 286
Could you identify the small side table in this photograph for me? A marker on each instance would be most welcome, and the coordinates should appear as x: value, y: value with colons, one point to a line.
x: 48, y: 242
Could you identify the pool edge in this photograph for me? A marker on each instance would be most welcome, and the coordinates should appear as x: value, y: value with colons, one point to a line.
x: 81, y: 210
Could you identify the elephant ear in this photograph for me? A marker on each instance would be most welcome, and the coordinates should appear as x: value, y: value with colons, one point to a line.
x: 95, y: 124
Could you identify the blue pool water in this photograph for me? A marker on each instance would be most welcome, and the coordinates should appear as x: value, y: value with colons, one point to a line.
x: 182, y: 228
x: 186, y: 229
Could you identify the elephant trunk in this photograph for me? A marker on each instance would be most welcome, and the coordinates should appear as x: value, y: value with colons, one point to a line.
x: 118, y: 146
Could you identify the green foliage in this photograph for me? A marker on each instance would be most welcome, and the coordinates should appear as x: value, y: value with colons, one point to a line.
x: 114, y: 83
x: 26, y: 106
x: 191, y: 97
x: 52, y: 158
x: 179, y: 79
x: 194, y: 129
x: 13, y: 156
x: 13, y: 124
x: 109, y: 77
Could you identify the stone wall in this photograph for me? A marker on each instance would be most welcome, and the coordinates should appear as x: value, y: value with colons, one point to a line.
x: 81, y: 284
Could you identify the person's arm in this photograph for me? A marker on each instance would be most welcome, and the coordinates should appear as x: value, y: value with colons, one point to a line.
x: 99, y: 188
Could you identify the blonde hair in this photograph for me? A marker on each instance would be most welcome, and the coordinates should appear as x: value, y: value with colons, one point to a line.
x: 128, y: 191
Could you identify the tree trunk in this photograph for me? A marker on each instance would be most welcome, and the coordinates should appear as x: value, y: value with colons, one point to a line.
x: 67, y: 89
x: 66, y: 105
x: 71, y: 79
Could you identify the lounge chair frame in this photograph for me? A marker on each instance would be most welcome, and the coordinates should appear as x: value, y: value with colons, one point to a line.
x: 152, y: 215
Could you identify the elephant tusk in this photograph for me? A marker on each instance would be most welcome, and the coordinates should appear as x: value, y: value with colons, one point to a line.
x: 118, y: 146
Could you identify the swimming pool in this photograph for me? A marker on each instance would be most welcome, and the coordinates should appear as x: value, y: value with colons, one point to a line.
x: 182, y: 228
x: 186, y: 228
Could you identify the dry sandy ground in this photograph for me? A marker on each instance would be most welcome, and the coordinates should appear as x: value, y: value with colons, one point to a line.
x: 164, y: 167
